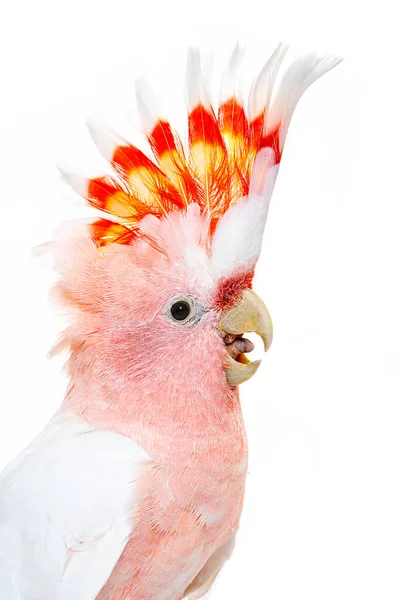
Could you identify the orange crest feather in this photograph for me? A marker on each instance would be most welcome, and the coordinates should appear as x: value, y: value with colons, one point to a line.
x: 215, y: 169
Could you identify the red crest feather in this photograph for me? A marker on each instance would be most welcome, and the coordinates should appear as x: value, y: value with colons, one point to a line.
x: 215, y: 169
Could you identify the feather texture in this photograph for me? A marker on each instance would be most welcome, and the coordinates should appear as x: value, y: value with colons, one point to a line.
x: 80, y: 484
x: 86, y: 512
x: 215, y: 170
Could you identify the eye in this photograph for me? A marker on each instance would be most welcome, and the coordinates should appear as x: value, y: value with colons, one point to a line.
x: 180, y: 310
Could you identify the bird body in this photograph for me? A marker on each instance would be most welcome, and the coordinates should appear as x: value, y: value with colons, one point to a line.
x: 157, y: 516
x: 195, y: 472
x: 134, y: 489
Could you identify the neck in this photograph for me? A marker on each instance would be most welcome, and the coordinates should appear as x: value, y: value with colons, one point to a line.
x: 199, y: 406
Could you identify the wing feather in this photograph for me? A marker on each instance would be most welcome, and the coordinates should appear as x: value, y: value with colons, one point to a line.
x: 67, y: 504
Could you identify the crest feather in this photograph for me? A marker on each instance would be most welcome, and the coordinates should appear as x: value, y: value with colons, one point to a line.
x: 215, y: 169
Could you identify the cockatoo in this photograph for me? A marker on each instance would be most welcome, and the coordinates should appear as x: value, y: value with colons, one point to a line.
x: 134, y: 489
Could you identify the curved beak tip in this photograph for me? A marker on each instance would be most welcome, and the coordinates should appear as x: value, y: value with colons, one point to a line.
x: 267, y: 341
x: 249, y: 315
x: 237, y: 372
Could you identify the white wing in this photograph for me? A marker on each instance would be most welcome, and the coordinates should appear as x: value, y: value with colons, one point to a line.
x: 66, y: 509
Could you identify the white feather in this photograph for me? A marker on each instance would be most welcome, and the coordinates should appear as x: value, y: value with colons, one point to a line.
x: 77, y: 182
x: 238, y: 237
x: 198, y: 80
x: 67, y: 504
x: 148, y: 109
x: 261, y: 92
x: 299, y: 76
x: 104, y: 139
x: 230, y: 85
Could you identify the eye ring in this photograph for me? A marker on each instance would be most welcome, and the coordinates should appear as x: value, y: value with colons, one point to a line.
x: 180, y: 310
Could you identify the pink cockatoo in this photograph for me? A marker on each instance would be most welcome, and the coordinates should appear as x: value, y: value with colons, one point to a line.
x: 134, y: 489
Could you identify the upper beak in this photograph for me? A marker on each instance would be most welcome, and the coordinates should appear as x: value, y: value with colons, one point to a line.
x: 249, y: 315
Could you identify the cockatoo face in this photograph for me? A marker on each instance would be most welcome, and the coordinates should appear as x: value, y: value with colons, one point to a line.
x: 166, y: 307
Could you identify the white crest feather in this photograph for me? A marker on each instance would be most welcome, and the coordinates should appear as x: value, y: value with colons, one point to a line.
x: 230, y: 85
x: 198, y: 80
x: 300, y: 75
x: 105, y: 140
x: 148, y: 108
x: 261, y: 92
x: 238, y: 238
x: 77, y: 182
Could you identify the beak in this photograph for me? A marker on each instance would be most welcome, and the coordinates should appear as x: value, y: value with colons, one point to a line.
x: 249, y: 315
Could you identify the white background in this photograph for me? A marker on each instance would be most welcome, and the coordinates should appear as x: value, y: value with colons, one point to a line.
x: 329, y: 510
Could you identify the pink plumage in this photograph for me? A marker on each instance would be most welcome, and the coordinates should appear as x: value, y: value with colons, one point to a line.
x: 134, y: 490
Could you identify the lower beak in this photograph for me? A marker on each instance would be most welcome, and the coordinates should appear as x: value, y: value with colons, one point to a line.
x: 250, y: 315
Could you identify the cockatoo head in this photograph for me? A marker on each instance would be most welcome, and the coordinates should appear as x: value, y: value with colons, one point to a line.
x: 166, y: 306
x: 162, y: 286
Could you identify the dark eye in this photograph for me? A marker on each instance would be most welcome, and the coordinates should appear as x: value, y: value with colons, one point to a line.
x: 180, y: 310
